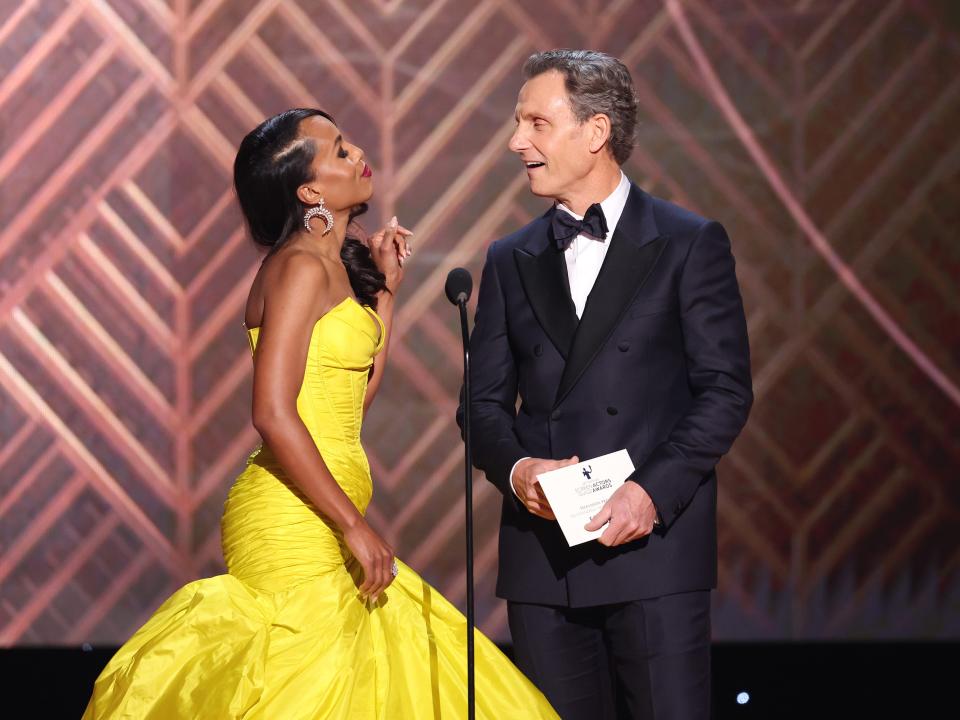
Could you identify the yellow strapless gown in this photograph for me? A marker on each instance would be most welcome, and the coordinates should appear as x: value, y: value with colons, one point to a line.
x: 285, y: 635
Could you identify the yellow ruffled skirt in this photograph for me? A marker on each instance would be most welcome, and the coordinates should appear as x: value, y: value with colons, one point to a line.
x: 294, y: 639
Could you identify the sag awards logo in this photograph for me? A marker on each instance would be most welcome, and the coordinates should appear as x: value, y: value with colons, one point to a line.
x: 592, y: 486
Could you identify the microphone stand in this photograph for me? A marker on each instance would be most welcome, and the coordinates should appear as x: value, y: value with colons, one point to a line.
x: 458, y: 287
x: 468, y: 496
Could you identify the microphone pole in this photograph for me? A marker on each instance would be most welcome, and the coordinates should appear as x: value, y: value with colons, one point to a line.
x: 458, y: 287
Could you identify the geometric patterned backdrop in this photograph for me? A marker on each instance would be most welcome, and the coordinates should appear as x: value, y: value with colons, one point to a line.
x: 823, y: 134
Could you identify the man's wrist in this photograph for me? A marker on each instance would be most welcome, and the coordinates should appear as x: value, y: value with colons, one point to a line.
x: 656, y: 513
x: 512, y: 470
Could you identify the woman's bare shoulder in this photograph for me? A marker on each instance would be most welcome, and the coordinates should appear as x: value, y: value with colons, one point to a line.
x: 292, y: 275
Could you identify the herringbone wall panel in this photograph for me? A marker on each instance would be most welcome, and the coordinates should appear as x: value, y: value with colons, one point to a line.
x: 822, y: 133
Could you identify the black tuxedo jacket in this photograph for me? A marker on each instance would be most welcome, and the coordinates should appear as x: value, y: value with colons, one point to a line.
x: 659, y: 364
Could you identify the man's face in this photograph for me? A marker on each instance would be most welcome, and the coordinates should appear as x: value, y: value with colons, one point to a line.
x: 553, y: 146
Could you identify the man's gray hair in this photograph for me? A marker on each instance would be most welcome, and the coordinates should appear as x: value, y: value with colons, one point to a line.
x: 596, y: 84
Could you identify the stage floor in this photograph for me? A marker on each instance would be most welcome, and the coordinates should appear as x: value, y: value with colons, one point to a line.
x: 780, y: 680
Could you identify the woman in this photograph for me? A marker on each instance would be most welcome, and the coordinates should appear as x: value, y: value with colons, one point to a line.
x: 315, y: 618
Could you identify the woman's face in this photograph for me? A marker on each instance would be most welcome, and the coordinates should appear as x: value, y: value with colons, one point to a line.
x: 340, y: 175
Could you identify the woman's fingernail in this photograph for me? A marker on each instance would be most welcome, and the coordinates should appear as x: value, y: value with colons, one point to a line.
x: 393, y: 221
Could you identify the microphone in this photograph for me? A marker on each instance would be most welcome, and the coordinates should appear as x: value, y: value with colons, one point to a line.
x: 459, y: 285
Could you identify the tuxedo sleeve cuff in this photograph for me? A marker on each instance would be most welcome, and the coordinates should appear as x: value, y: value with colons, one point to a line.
x: 657, y: 518
x: 512, y: 486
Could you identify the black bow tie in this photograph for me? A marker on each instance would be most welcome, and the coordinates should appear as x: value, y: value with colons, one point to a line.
x: 565, y: 227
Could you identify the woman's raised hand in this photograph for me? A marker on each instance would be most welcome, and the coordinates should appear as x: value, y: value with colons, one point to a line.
x: 390, y: 247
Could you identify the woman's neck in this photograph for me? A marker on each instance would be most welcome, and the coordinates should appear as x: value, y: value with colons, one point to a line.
x: 327, y: 246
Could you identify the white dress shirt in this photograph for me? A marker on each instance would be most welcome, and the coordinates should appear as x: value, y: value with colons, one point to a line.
x: 585, y: 255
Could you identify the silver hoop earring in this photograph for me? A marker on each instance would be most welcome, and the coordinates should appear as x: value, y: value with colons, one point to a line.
x: 322, y: 211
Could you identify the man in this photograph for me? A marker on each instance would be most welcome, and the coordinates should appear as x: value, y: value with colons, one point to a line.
x: 617, y: 318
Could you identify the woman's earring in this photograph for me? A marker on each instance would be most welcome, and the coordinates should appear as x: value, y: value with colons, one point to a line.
x: 322, y: 211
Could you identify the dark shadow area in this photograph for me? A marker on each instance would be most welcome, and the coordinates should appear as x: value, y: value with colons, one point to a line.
x: 782, y: 680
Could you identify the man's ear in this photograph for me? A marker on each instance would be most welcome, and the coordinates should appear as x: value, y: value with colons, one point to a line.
x: 599, y: 129
x: 308, y: 194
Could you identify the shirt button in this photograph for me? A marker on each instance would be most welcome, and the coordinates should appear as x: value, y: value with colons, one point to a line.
x: 623, y: 347
x: 611, y: 411
x: 538, y: 349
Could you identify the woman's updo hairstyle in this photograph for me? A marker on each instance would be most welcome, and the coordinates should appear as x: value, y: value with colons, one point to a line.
x: 272, y: 163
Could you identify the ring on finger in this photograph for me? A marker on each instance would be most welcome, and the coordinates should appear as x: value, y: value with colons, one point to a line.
x: 394, y: 569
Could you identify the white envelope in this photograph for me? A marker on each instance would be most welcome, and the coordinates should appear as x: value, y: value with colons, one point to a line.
x: 577, y: 492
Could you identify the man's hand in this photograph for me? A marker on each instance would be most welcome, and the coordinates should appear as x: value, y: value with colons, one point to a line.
x: 527, y: 487
x: 631, y: 515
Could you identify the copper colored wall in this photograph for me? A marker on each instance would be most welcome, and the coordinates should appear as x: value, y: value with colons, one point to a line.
x: 823, y: 134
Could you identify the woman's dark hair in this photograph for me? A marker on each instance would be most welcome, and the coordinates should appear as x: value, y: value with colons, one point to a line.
x: 272, y: 162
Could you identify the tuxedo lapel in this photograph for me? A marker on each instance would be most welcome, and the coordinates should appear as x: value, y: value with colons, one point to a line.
x: 544, y: 277
x: 634, y: 250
